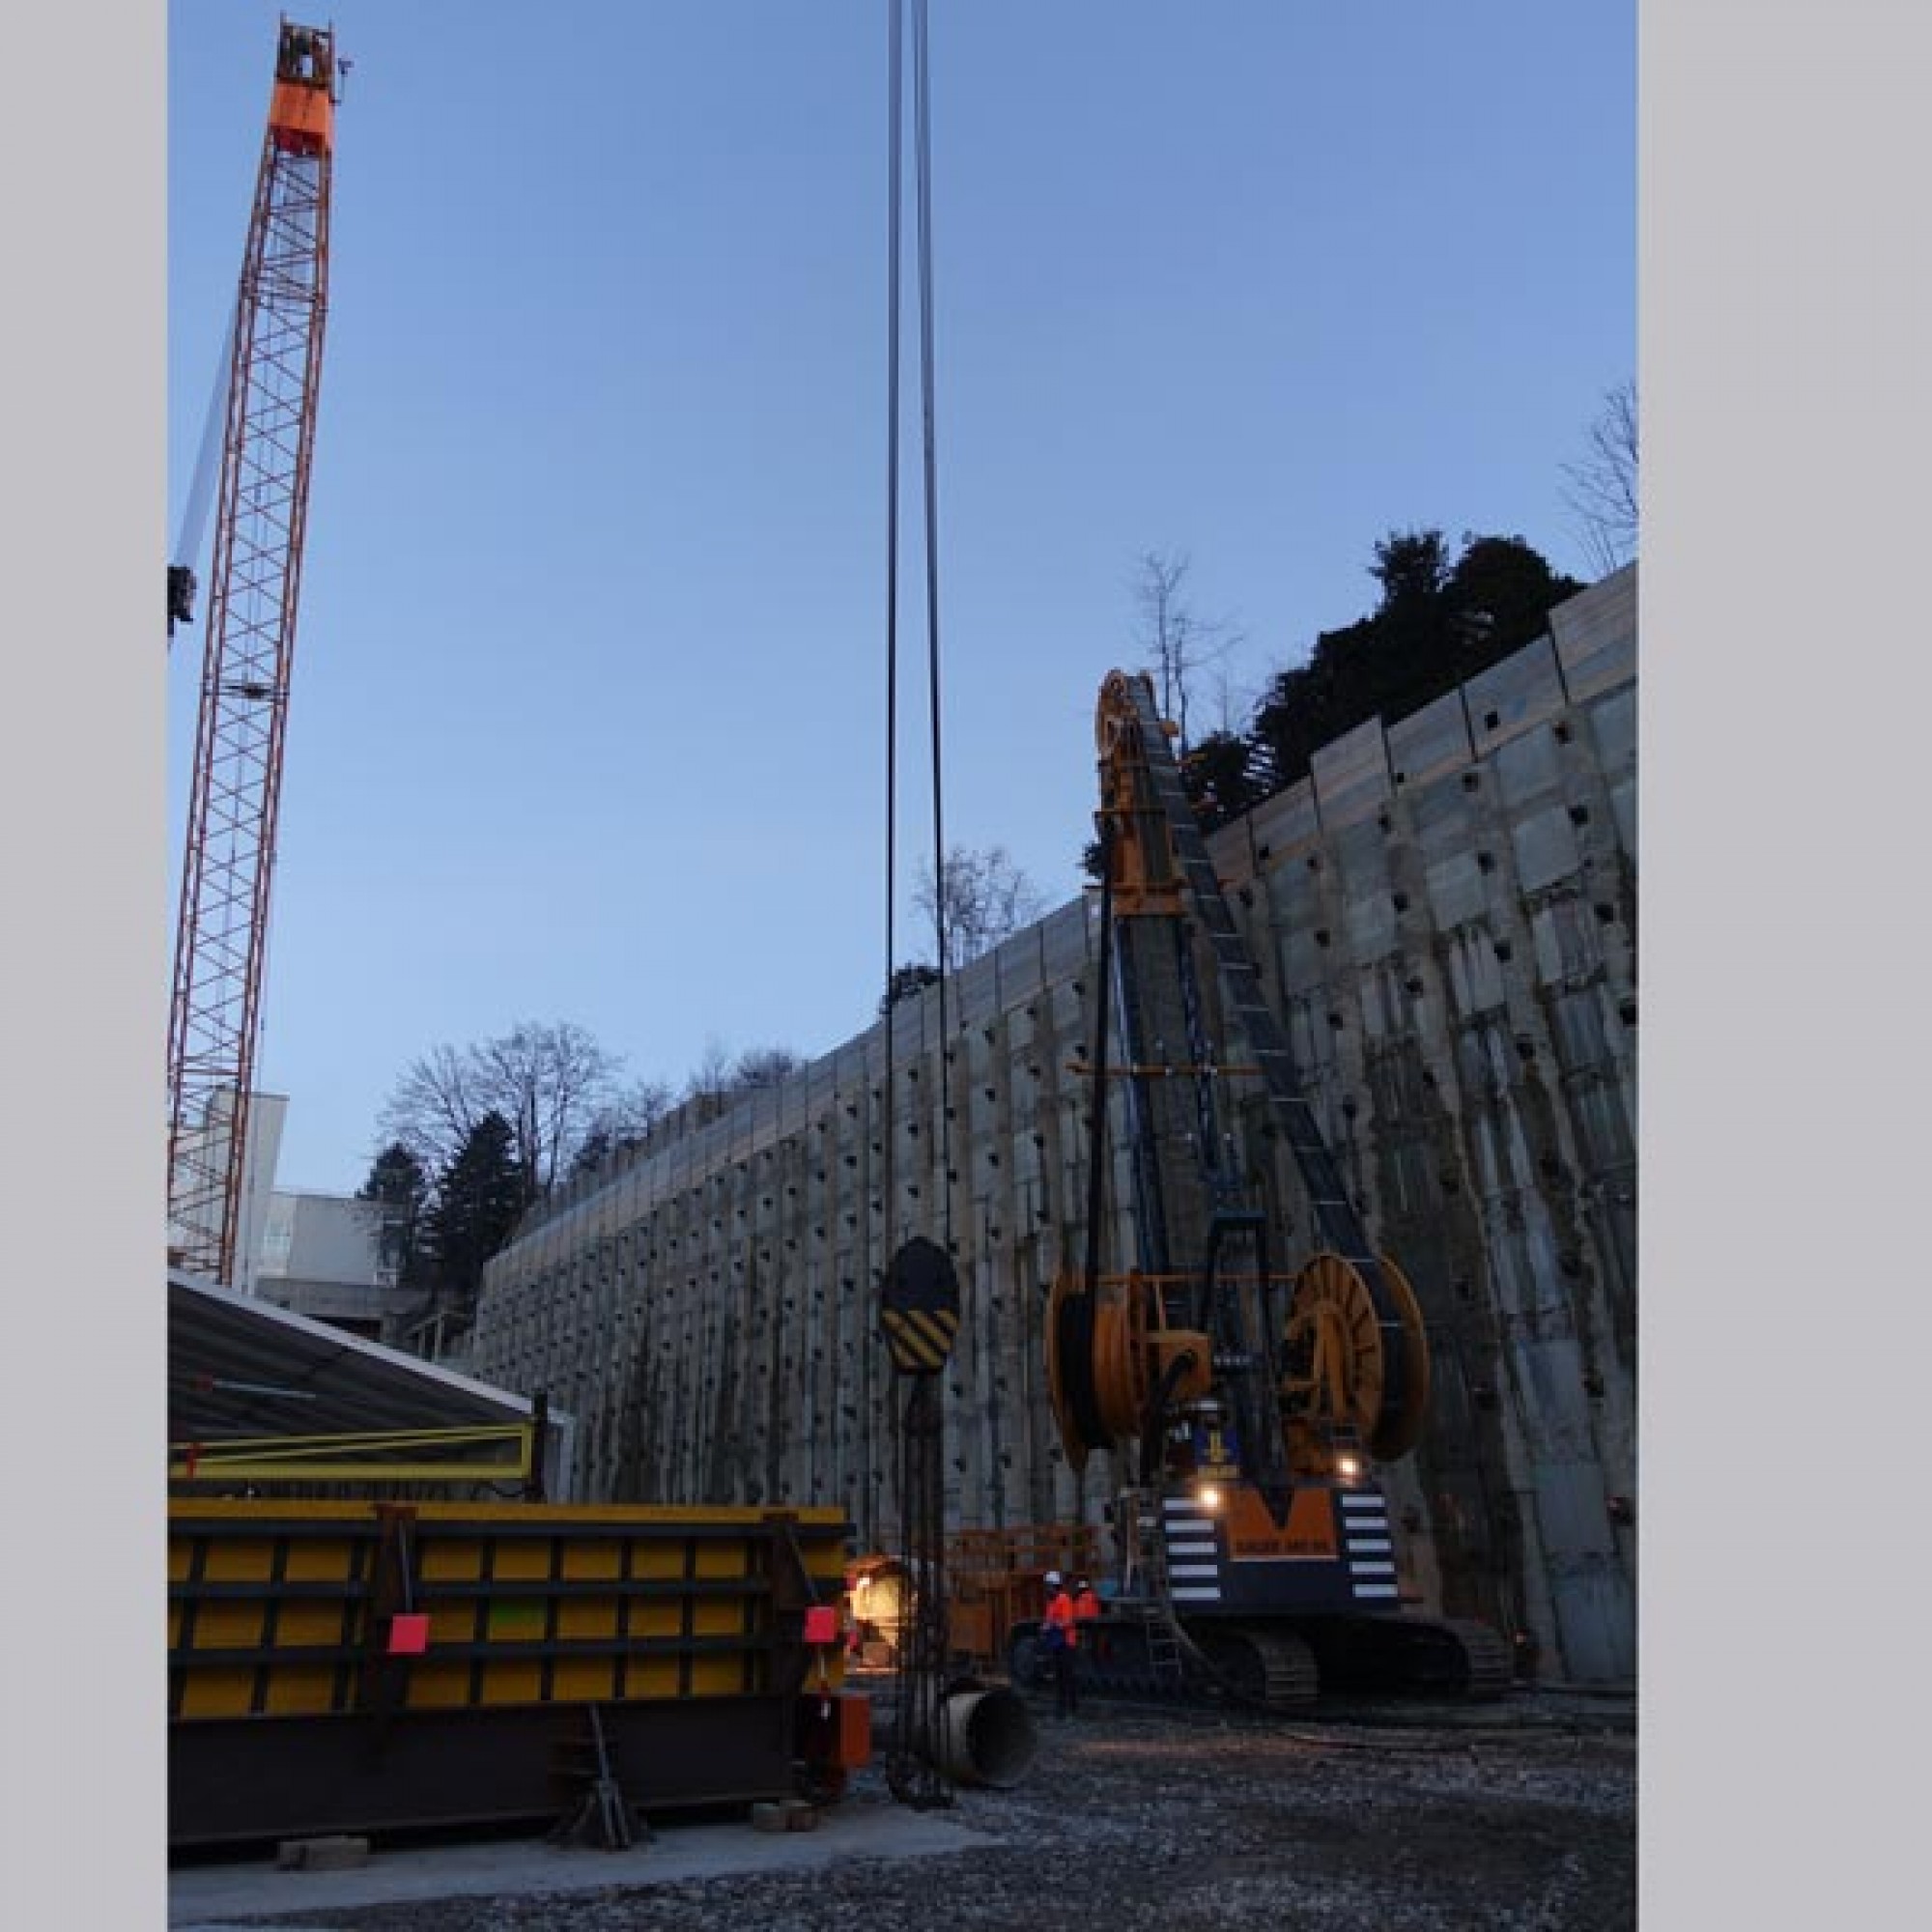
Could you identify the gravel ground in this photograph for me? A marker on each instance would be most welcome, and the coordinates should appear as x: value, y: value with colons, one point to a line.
x: 1519, y: 1820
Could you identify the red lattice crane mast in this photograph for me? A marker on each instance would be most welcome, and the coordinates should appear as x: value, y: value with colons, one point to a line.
x: 254, y: 585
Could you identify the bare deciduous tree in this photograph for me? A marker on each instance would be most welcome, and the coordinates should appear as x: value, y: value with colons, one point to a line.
x: 635, y: 1110
x: 1602, y: 491
x: 980, y: 899
x: 624, y: 1122
x: 549, y: 1082
x: 434, y: 1107
x: 629, y: 1115
x: 765, y: 1067
x: 720, y: 1078
x: 556, y: 1077
x: 1179, y: 644
x: 711, y: 1078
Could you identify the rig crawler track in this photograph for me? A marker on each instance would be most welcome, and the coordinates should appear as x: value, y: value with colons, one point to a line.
x: 1279, y: 1669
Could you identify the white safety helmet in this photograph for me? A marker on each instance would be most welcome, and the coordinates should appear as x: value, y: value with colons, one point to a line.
x: 1052, y: 1577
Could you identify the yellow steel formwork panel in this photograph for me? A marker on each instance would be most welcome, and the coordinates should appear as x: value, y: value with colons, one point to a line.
x: 280, y: 1607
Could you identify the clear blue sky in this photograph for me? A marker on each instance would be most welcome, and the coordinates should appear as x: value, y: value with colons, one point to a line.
x: 588, y: 710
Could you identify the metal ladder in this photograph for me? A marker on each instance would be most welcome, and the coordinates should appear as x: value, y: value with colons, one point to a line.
x: 1165, y: 1658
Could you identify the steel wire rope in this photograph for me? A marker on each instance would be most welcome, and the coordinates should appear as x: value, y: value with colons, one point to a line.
x: 201, y: 487
x: 905, y: 1776
x: 914, y: 1770
x: 896, y: 86
x: 922, y: 143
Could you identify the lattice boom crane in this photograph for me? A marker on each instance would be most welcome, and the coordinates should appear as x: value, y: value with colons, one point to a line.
x: 254, y: 585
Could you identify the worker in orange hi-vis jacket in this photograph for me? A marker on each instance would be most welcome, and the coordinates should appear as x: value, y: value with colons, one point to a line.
x: 1060, y: 1633
x: 1086, y: 1604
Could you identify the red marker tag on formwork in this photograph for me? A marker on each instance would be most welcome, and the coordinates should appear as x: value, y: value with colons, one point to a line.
x: 409, y: 1635
x: 821, y: 1624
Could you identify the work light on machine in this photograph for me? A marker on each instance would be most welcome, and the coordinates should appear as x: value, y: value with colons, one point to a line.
x: 1209, y: 1496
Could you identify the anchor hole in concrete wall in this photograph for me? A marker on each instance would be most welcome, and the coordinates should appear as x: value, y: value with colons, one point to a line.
x: 1562, y: 732
x: 1606, y: 915
x: 1580, y: 815
x: 1490, y: 719
x: 1504, y: 950
x: 1400, y: 901
x: 1322, y: 935
x: 1486, y: 861
x: 1470, y: 781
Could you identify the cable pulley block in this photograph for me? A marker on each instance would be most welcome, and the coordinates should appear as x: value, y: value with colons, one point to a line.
x: 920, y: 1311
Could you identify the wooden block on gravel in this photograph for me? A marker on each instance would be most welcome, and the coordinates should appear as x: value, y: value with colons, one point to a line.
x: 322, y: 1854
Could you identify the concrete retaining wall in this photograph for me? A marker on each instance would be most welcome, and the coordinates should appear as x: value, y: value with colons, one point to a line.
x: 1444, y: 914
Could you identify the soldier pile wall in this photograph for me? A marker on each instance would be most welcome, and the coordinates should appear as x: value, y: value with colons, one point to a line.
x: 1446, y: 916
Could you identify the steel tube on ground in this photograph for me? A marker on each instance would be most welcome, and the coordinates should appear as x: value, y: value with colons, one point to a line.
x: 983, y: 1736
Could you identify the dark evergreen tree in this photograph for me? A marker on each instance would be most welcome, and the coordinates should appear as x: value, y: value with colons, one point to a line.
x: 1438, y: 622
x: 400, y: 1189
x: 1499, y: 596
x: 479, y: 1198
x: 906, y: 981
x: 1221, y: 777
x: 595, y: 1148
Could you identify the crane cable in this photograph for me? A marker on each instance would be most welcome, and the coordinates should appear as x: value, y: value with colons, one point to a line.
x: 923, y: 154
x: 922, y: 149
x: 201, y: 487
x: 923, y: 139
x: 913, y: 1771
x: 893, y: 11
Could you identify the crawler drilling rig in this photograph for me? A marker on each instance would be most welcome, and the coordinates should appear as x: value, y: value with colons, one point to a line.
x: 1244, y: 1406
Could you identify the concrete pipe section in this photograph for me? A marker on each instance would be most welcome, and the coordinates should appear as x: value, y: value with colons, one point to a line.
x: 986, y: 1737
